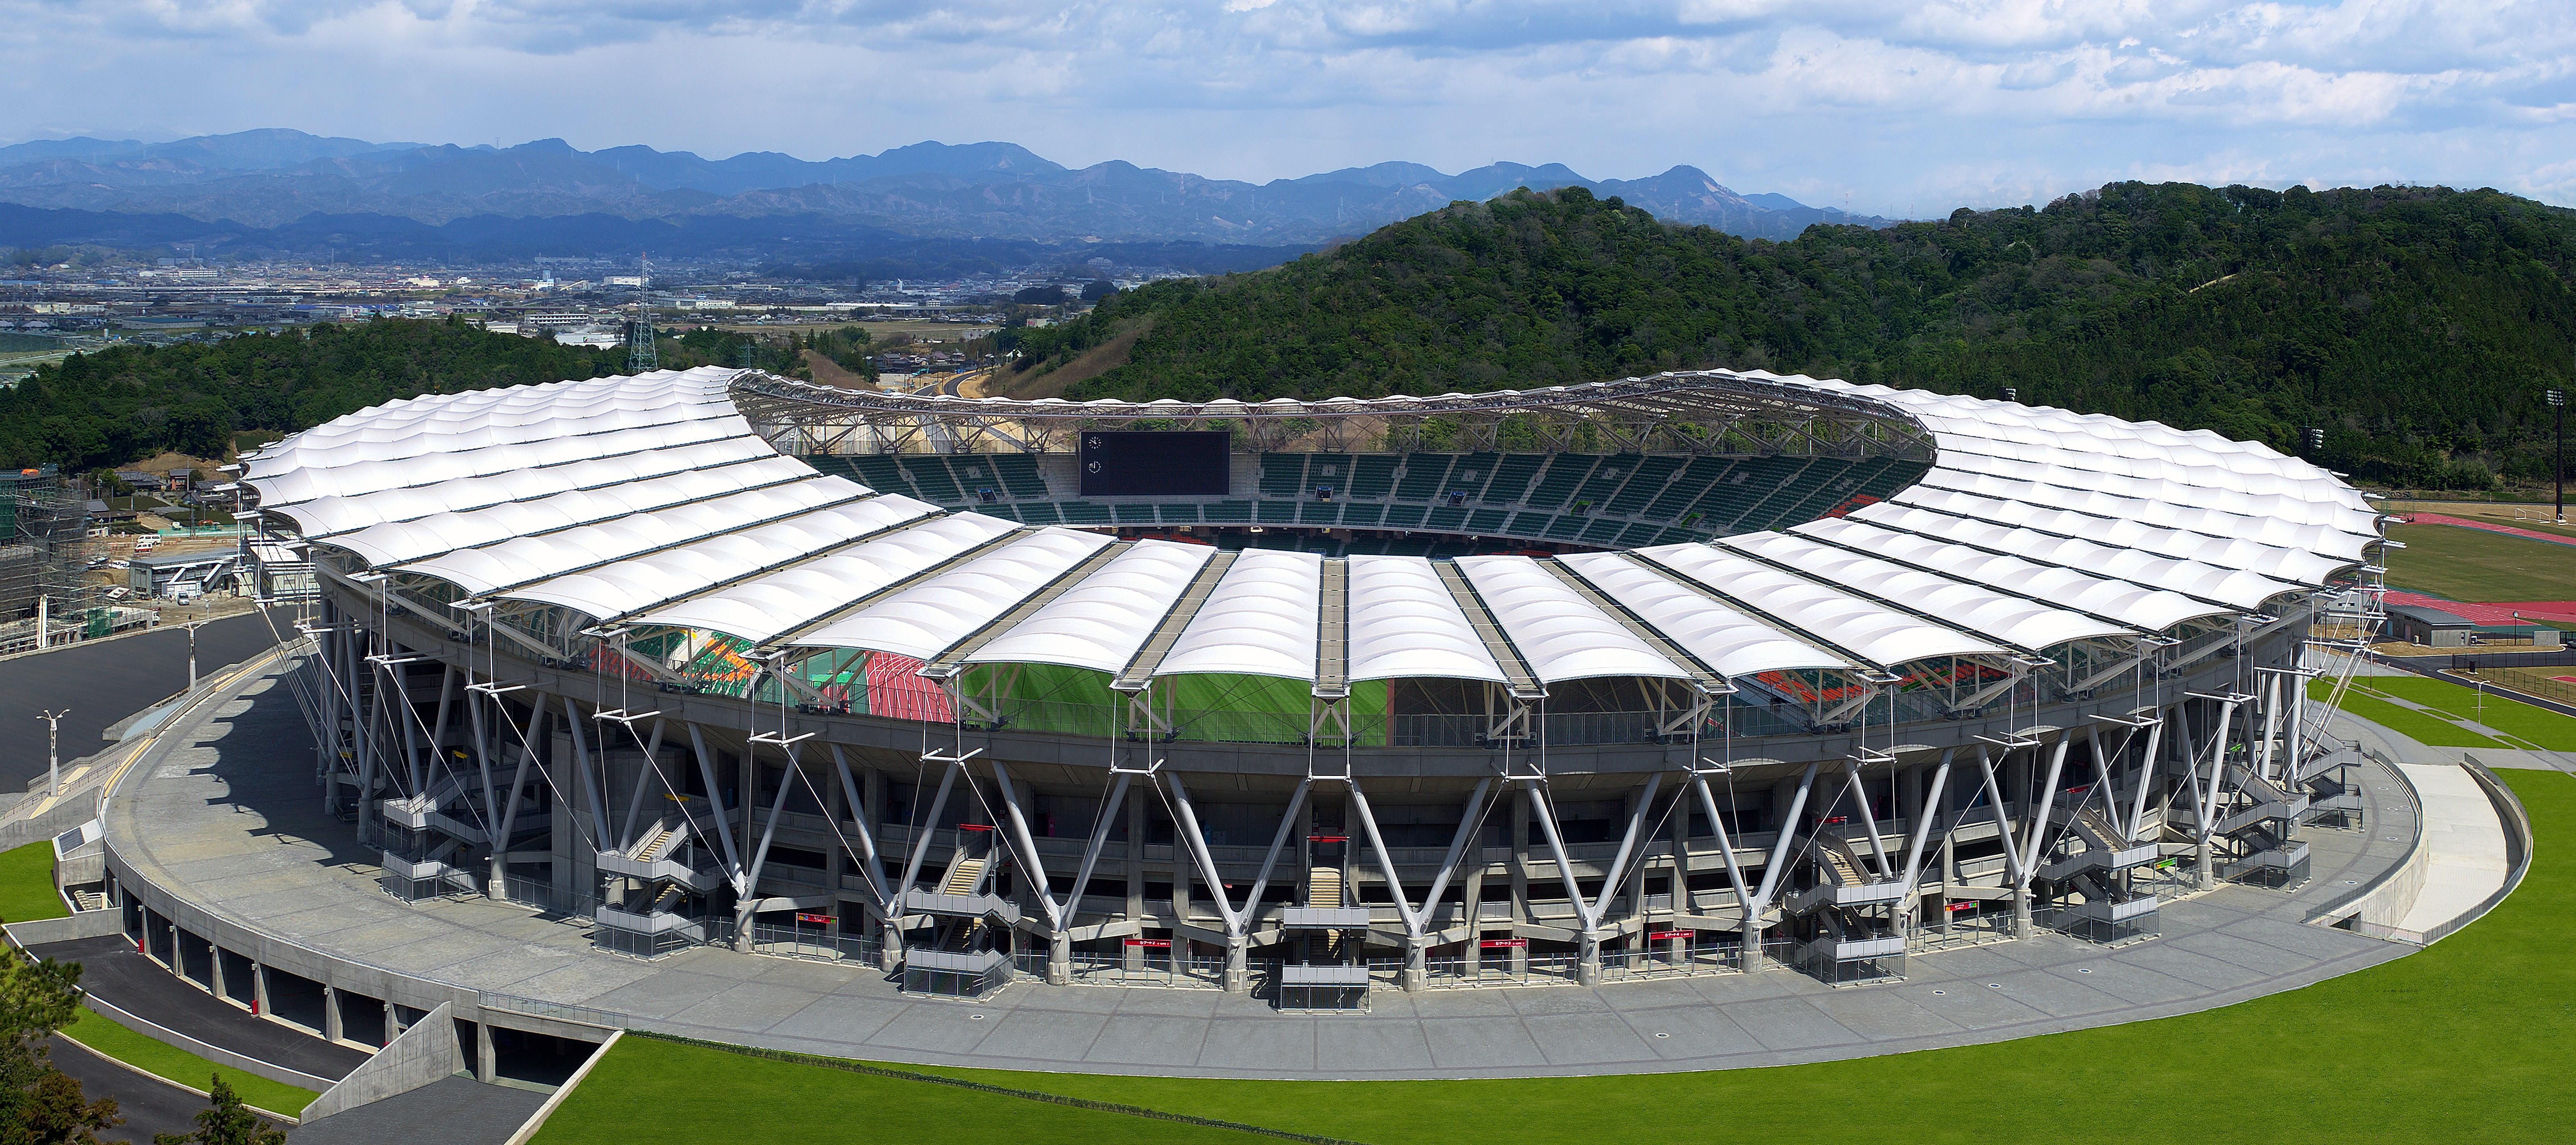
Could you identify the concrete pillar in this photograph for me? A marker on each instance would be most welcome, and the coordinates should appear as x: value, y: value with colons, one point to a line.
x: 330, y: 1014
x: 1136, y: 859
x: 178, y: 954
x: 1749, y: 951
x: 2021, y: 911
x: 1417, y: 950
x: 1059, y: 964
x: 215, y: 968
x: 1520, y: 963
x: 258, y: 988
x: 1521, y: 856
x: 484, y: 1069
x: 1471, y: 957
x: 1587, y: 970
x: 1238, y: 964
x: 889, y: 939
x: 393, y: 1023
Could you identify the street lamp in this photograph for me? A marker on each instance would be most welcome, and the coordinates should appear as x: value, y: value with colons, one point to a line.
x: 53, y: 755
x: 2558, y: 399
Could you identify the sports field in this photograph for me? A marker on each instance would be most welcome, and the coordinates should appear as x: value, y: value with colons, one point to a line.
x: 2471, y: 564
x: 2466, y: 1041
x: 2432, y: 711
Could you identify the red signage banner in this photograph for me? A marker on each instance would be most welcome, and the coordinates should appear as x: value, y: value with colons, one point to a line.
x: 815, y: 919
x: 1514, y: 943
x: 974, y: 826
x: 1328, y: 838
x: 1662, y: 935
x: 1156, y: 943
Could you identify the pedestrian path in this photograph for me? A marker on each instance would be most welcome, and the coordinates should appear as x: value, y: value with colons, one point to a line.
x: 2487, y: 526
x: 2466, y: 857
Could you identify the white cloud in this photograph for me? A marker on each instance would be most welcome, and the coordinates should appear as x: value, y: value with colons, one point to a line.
x: 1906, y: 106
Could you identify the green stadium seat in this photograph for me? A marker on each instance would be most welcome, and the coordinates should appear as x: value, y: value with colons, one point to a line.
x: 1178, y: 514
x: 1530, y: 524
x: 1331, y: 470
x: 1084, y: 513
x: 1565, y: 474
x: 1469, y: 475
x: 1607, y: 476
x: 1227, y: 512
x: 1404, y: 516
x: 1020, y: 476
x: 1445, y: 519
x: 1372, y: 477
x: 1134, y: 514
x: 1423, y: 473
x: 879, y: 471
x: 1283, y: 474
x: 1488, y: 521
x: 1363, y: 516
x: 1278, y: 512
x: 1603, y: 532
x: 1639, y: 533
x: 929, y: 474
x: 1643, y: 486
x: 1695, y: 481
x: 1319, y: 512
x: 1512, y: 476
x: 1564, y: 528
x: 1040, y: 513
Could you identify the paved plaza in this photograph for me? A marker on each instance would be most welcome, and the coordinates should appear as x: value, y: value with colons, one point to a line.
x: 225, y: 812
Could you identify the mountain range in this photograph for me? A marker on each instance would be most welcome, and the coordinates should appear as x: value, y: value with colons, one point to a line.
x: 278, y: 187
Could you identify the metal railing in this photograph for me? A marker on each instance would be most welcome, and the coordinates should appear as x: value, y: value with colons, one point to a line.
x: 559, y: 1011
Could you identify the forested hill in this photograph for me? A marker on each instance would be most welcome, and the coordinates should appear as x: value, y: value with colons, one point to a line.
x: 2418, y: 325
x: 126, y: 402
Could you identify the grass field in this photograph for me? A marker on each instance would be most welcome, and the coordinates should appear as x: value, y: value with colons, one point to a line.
x: 104, y: 1034
x: 27, y: 884
x: 2472, y: 564
x: 2523, y: 725
x: 2466, y: 1041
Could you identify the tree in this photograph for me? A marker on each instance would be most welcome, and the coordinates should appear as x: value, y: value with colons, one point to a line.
x: 225, y: 1121
x: 40, y: 1104
x: 1097, y: 289
x: 1040, y: 296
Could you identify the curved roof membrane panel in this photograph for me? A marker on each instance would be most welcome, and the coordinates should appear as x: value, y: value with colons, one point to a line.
x: 654, y: 500
x: 528, y: 559
x: 611, y: 592
x: 928, y: 618
x: 1101, y: 622
x: 518, y: 415
x: 1872, y: 631
x: 1996, y: 615
x: 1558, y: 633
x: 772, y: 603
x: 1405, y: 625
x: 1729, y: 641
x: 1261, y: 620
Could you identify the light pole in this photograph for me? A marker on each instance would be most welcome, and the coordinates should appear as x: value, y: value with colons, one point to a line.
x: 192, y: 654
x: 53, y: 754
x: 2558, y: 399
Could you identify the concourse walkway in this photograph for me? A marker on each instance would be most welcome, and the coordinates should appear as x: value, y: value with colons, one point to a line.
x: 220, y: 810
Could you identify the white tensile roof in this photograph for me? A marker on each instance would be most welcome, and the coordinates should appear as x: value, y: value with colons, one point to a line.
x: 652, y: 501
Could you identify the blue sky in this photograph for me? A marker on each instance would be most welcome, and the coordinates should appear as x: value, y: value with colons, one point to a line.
x: 1894, y: 107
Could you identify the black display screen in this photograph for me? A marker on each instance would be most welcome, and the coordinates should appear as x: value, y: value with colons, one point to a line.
x: 1153, y: 463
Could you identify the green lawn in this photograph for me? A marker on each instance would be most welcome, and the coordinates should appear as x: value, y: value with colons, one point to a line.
x: 2473, y: 564
x: 2532, y: 726
x: 649, y: 1092
x: 27, y: 884
x: 107, y: 1036
x: 2418, y: 726
x: 2466, y: 1041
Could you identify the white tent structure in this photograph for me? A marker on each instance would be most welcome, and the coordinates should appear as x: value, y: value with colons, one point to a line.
x: 571, y: 555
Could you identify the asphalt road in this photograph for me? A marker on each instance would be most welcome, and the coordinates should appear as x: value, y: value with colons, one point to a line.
x: 148, y: 1105
x: 106, y: 681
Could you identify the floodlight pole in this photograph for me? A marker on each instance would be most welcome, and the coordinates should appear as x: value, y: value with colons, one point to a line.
x: 2558, y: 399
x: 192, y: 653
x: 53, y: 755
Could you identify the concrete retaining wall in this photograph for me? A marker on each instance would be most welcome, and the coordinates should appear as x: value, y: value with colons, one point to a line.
x: 86, y: 924
x: 425, y: 1053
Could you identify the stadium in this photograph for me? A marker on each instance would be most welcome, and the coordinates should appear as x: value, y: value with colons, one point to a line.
x: 1704, y: 672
